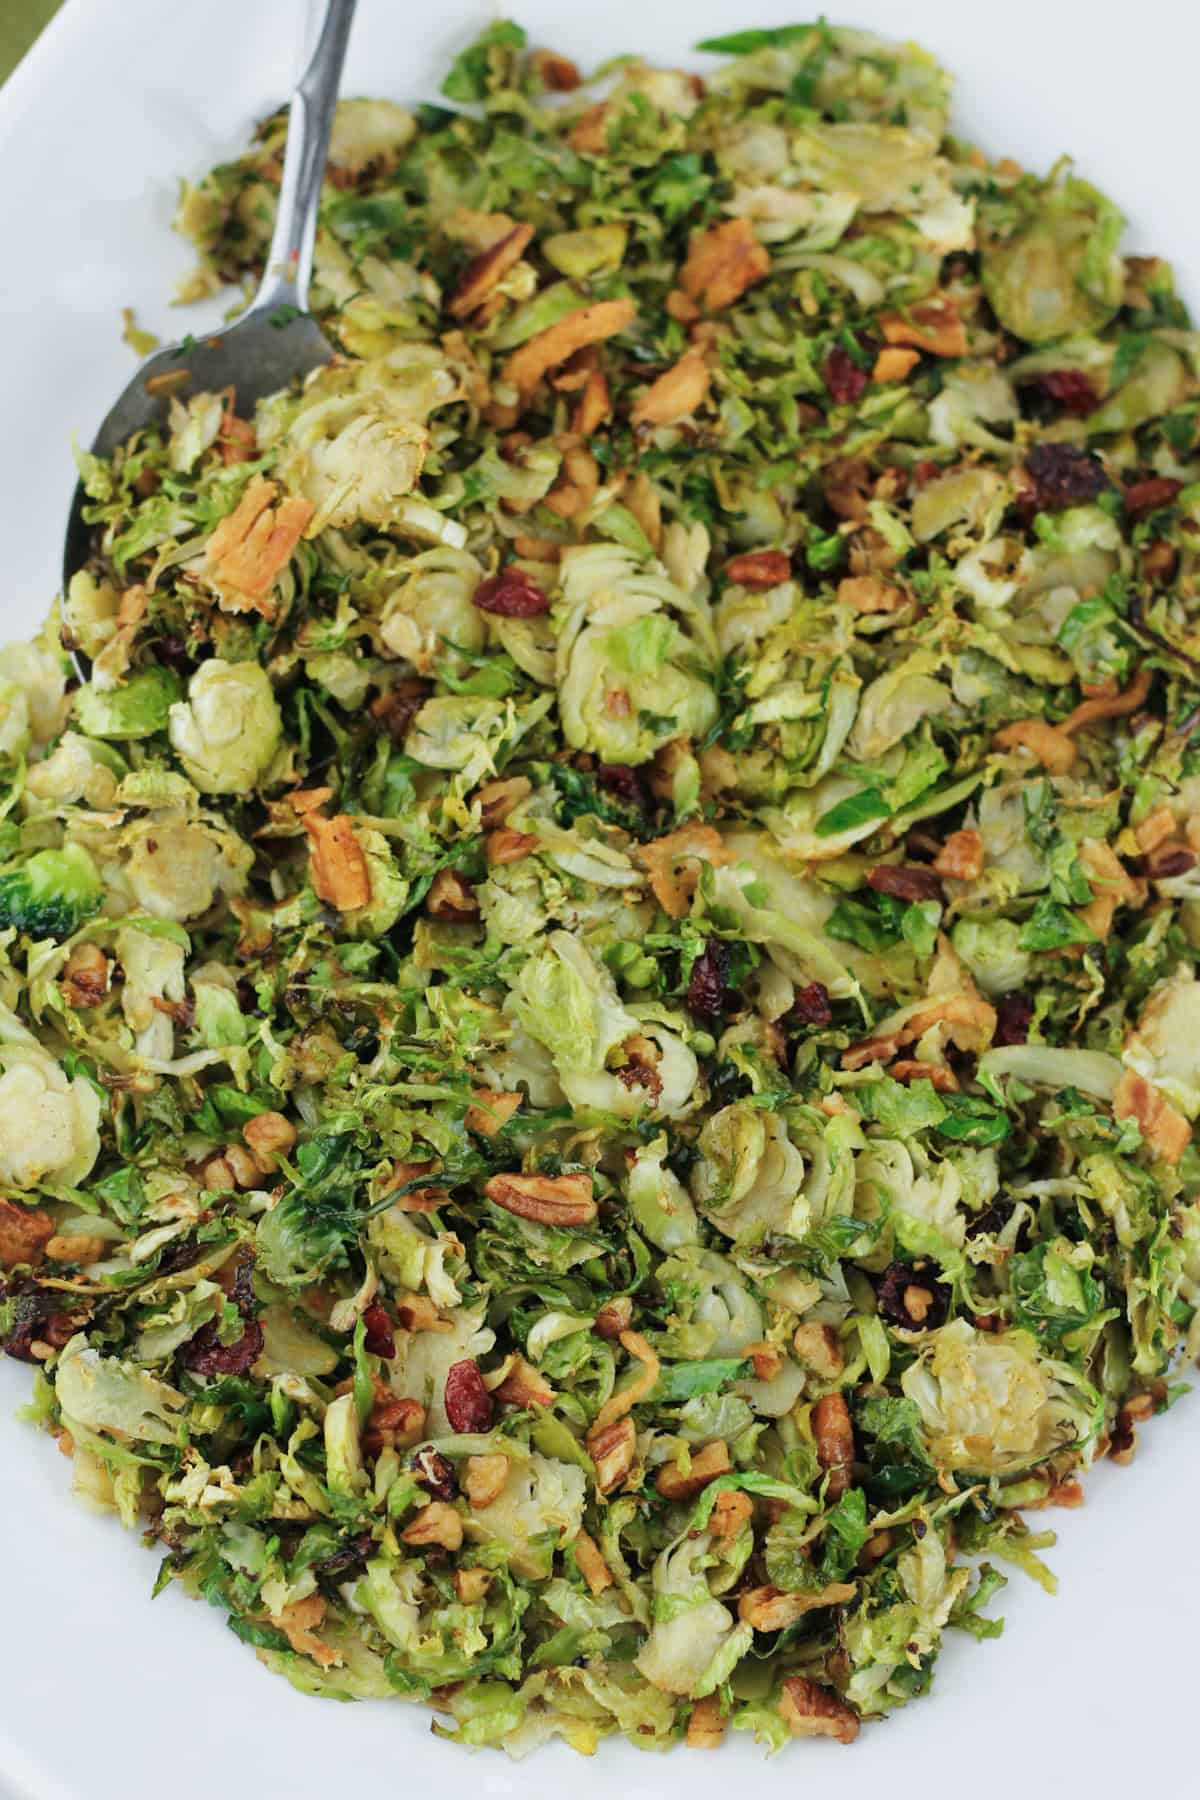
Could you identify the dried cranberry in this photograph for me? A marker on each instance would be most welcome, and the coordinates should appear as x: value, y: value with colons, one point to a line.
x: 1013, y: 1015
x: 624, y: 782
x: 206, y: 1355
x: 511, y: 595
x: 1071, y: 391
x: 468, y: 1403
x: 435, y: 1473
x: 396, y: 709
x: 351, y: 1553
x: 846, y: 382
x: 810, y: 1007
x: 173, y: 651
x: 33, y: 1319
x: 380, y: 1339
x: 911, y: 1297
x: 1063, y: 475
x: 905, y: 881
x: 1147, y: 496
x: 708, y: 989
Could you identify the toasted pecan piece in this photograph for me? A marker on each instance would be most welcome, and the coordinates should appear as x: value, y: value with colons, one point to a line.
x: 672, y: 864
x: 340, y: 875
x: 85, y: 976
x: 24, y: 1233
x: 960, y: 857
x: 1112, y: 886
x: 722, y: 262
x: 677, y: 392
x: 437, y: 1523
x: 485, y: 1479
x: 770, y: 1609
x: 471, y: 1585
x: 626, y: 1398
x: 870, y: 594
x: 818, y: 1348
x: 612, y: 1449
x: 673, y: 1484
x: 1165, y: 1130
x: 812, y: 1711
x: 524, y: 1386
x: 451, y: 898
x: 894, y: 363
x: 587, y: 325
x: 834, y: 1435
x: 706, y: 1724
x: 730, y: 1514
x: 933, y: 325
x: 299, y: 1624
x: 250, y: 548
x: 487, y: 269
x: 759, y: 568
x: 562, y: 1200
x: 1050, y: 744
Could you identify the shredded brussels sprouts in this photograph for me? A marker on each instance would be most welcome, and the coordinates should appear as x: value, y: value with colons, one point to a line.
x: 599, y: 1027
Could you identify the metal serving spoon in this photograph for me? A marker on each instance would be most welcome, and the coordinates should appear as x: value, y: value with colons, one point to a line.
x: 275, y: 340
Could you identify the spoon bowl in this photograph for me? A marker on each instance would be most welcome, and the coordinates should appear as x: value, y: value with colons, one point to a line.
x: 275, y: 342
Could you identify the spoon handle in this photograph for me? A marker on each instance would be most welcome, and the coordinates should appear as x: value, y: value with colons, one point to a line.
x: 310, y: 120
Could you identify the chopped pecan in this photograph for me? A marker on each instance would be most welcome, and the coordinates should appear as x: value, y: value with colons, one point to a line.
x: 299, y: 1624
x: 395, y: 1423
x: 818, y: 1348
x: 471, y: 1585
x: 722, y: 262
x: 676, y: 393
x: 894, y: 364
x: 812, y: 1711
x: 1169, y: 860
x: 269, y: 1135
x: 846, y: 484
x: 437, y: 1523
x: 490, y: 1110
x: 435, y: 1473
x: 588, y: 325
x: 487, y: 269
x: 960, y: 857
x: 417, y: 1312
x: 523, y: 1386
x: 1155, y: 829
x: 672, y: 864
x: 562, y: 1200
x: 674, y: 1484
x: 834, y: 1436
x: 250, y: 548
x: 497, y: 799
x: 759, y: 568
x: 730, y: 1515
x: 1167, y: 1132
x: 451, y: 898
x: 706, y: 1724
x: 933, y: 325
x: 485, y: 1478
x: 594, y: 405
x: 85, y: 976
x: 770, y: 1609
x: 76, y: 1248
x: 556, y: 73
x: 614, y: 1317
x: 340, y: 875
x: 508, y: 846
x: 1112, y: 885
x: 589, y: 134
x: 767, y: 1359
x: 24, y: 1233
x: 870, y: 594
x: 905, y: 881
x: 467, y: 1401
x: 1048, y: 743
x: 591, y: 1564
x: 612, y: 1449
x: 939, y: 1075
x: 1147, y: 496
